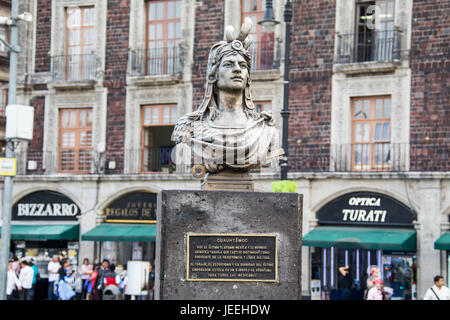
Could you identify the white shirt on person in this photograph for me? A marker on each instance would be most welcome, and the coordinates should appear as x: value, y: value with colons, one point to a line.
x: 12, y: 282
x: 53, y: 267
x: 443, y: 293
x: 26, y: 277
x: 84, y: 271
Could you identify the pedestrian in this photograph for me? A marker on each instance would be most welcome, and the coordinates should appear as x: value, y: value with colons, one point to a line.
x: 122, y: 281
x: 91, y: 293
x: 53, y: 276
x: 86, y: 271
x: 438, y: 291
x: 26, y: 280
x: 378, y: 291
x: 151, y: 281
x: 109, y: 277
x: 35, y: 278
x: 100, y: 284
x: 12, y: 284
x: 77, y: 286
x: 374, y: 274
x: 65, y: 291
x: 345, y: 283
x: 16, y: 265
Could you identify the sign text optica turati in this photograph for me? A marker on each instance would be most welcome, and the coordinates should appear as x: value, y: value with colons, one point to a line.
x: 366, y: 208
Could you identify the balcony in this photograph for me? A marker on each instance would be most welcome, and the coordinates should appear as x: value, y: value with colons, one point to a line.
x: 76, y: 71
x: 343, y: 158
x: 374, y: 51
x: 365, y: 158
x: 155, y: 66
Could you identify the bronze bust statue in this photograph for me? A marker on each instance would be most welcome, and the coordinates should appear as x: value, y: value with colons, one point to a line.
x: 226, y: 131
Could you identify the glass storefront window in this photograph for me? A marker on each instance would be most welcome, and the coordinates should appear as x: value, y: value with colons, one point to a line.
x: 398, y: 270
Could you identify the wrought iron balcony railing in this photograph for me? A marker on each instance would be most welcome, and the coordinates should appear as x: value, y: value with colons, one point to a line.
x: 75, y: 67
x: 387, y: 157
x: 362, y: 158
x: 154, y: 62
x: 262, y: 54
x: 380, y: 46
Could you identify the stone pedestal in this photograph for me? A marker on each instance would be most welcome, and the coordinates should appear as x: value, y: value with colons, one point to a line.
x: 228, y: 245
x: 228, y: 180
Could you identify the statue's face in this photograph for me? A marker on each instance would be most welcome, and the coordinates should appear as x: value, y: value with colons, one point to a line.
x: 232, y: 73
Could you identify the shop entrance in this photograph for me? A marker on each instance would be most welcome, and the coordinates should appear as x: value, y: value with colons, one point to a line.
x: 42, y: 252
x: 397, y: 269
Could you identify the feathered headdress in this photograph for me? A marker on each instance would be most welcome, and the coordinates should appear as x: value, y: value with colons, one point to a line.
x: 231, y: 44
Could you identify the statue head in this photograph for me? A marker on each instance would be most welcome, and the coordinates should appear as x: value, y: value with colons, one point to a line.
x: 236, y: 48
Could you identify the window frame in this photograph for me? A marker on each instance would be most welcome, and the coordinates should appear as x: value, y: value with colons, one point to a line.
x: 78, y: 146
x: 259, y: 37
x: 372, y: 121
x: 146, y: 127
x: 165, y: 48
x: 80, y: 73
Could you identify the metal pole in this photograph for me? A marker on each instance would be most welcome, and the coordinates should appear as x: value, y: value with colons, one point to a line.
x: 8, y: 184
x: 285, y: 110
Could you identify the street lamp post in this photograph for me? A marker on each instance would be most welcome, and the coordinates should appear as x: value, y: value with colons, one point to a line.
x: 269, y: 24
x: 8, y: 182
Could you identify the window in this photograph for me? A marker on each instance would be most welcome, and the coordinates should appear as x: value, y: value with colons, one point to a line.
x: 157, y: 126
x: 80, y: 58
x: 263, y: 106
x: 375, y: 40
x: 163, y: 37
x: 371, y: 133
x: 75, y: 143
x: 262, y: 51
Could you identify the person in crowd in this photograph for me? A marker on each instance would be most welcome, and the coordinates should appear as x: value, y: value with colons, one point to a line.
x: 345, y: 282
x: 91, y: 292
x: 151, y: 281
x: 86, y: 271
x: 65, y: 269
x: 26, y: 280
x: 12, y: 283
x: 77, y: 286
x: 16, y: 265
x: 53, y: 276
x: 109, y: 277
x: 438, y: 291
x: 66, y: 281
x: 122, y: 281
x: 378, y: 291
x: 100, y: 284
x: 374, y: 274
x: 35, y: 277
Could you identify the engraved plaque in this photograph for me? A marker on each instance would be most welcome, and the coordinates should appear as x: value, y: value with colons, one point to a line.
x: 232, y: 257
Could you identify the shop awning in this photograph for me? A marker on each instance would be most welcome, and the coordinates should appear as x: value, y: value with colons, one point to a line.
x: 45, y: 232
x: 121, y: 232
x: 362, y: 238
x: 443, y: 243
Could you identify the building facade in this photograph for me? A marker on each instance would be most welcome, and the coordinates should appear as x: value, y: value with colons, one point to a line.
x: 369, y: 109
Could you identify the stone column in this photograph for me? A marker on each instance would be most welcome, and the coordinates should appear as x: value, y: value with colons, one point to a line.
x: 428, y: 259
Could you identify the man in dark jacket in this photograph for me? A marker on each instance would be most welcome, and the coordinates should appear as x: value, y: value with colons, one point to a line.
x: 100, y: 283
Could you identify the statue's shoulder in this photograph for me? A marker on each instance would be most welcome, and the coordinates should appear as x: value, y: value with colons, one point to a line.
x: 184, y: 127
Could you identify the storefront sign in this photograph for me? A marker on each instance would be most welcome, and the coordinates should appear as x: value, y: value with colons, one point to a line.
x: 47, y: 206
x: 136, y: 207
x: 366, y: 208
x: 232, y: 257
